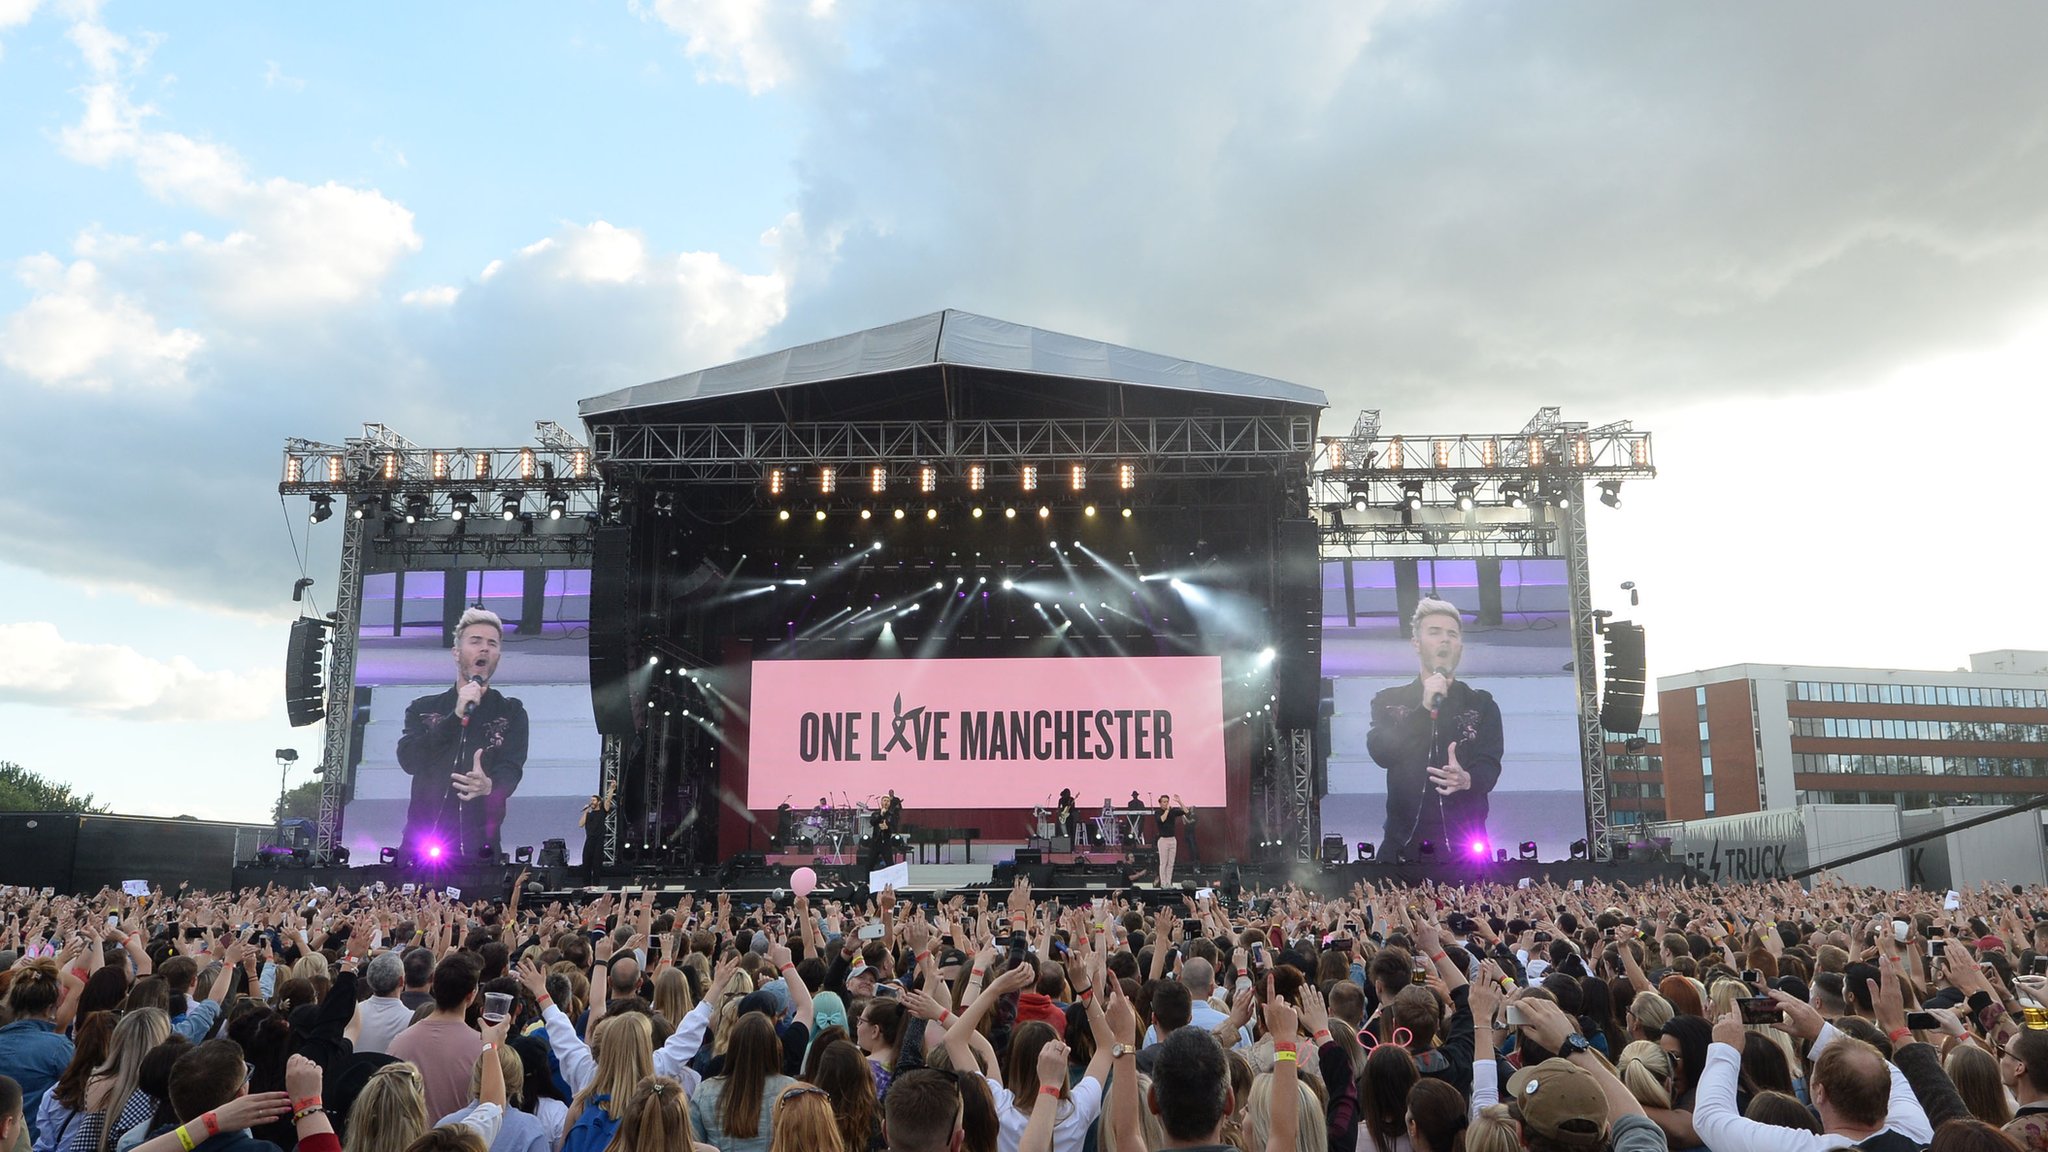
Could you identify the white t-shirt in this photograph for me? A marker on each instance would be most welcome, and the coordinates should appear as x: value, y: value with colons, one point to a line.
x: 1069, y: 1133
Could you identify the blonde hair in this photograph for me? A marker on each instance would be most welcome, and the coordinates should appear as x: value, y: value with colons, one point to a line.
x: 1646, y: 1068
x: 479, y: 616
x: 1652, y: 1011
x: 1494, y: 1130
x: 655, y: 1117
x: 511, y: 1065
x: 139, y: 1031
x: 1311, y: 1133
x: 1431, y: 606
x: 623, y: 1047
x: 672, y: 994
x: 389, y: 1113
x: 803, y: 1121
x: 1155, y: 1132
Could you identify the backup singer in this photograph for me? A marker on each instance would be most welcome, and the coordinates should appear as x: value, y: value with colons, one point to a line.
x: 465, y: 749
x: 1440, y: 741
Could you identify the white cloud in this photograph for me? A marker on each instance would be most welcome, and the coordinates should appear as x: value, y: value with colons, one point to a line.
x: 437, y: 296
x: 289, y: 246
x: 754, y: 44
x: 78, y: 332
x: 274, y: 77
x: 39, y: 667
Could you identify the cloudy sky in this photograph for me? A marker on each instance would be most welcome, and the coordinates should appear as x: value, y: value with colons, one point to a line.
x: 1806, y: 245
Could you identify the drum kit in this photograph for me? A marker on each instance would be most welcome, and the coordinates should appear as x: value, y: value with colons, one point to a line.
x: 846, y: 823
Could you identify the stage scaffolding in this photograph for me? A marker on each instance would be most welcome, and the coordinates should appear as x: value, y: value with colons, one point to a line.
x: 1518, y: 494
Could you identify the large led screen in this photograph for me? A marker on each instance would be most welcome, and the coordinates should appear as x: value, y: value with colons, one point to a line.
x: 1509, y: 717
x: 536, y: 730
x: 986, y: 733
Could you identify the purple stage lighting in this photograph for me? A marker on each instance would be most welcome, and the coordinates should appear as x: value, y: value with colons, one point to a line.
x: 1479, y: 849
x: 433, y: 851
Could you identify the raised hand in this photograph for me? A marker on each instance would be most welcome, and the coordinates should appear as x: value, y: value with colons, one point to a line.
x: 473, y: 784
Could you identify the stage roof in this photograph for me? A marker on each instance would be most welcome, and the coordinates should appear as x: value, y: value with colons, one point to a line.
x: 956, y: 338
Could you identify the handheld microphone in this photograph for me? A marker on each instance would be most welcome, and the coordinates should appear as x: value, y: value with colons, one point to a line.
x: 470, y: 706
x: 1437, y: 700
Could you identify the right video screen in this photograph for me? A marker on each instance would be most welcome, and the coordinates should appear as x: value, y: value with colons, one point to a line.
x: 1455, y: 729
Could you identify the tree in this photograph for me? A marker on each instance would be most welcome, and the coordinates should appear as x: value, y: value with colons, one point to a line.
x: 302, y: 801
x: 24, y: 791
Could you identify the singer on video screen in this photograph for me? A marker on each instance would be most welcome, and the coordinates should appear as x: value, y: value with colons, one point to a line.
x: 465, y: 749
x: 1439, y: 739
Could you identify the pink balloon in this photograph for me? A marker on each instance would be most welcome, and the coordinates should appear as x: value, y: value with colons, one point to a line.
x: 802, y: 881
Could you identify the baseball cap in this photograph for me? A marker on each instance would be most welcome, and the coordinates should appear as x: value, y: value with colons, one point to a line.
x: 1562, y: 1102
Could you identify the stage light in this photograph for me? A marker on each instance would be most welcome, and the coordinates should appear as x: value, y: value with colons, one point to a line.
x: 1365, y: 850
x: 1610, y: 493
x: 878, y: 480
x: 931, y: 513
x: 440, y: 465
x: 1479, y: 849
x: 359, y: 509
x: 927, y: 479
x: 1027, y: 477
x: 1578, y: 849
x: 1266, y: 655
x: 775, y: 482
x: 828, y: 480
x: 1358, y: 503
x: 1426, y: 848
x: 977, y: 477
x: 387, y: 855
x: 897, y: 514
x: 510, y: 509
x: 433, y: 851
x: 1411, y: 495
x: 1526, y: 850
x: 415, y: 509
x: 1126, y: 476
x: 558, y: 505
x: 1008, y: 584
x: 1088, y: 511
x: 653, y: 660
x: 782, y: 514
x: 294, y: 469
x: 1513, y: 494
x: 1043, y: 512
x: 1077, y: 477
x: 1500, y: 856
x: 460, y: 504
x: 1126, y: 513
x: 323, y: 507
x: 867, y: 514
x: 526, y: 464
x: 1009, y: 513
x: 1464, y: 490
x: 524, y: 855
x: 819, y: 515
x: 976, y: 513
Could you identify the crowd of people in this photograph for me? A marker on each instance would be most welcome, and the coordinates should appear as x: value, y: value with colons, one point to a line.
x: 1766, y: 1017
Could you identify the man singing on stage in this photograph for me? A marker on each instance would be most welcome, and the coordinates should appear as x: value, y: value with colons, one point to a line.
x: 465, y: 750
x: 1440, y: 741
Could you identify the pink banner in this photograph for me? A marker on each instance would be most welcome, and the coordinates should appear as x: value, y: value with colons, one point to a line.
x: 987, y: 733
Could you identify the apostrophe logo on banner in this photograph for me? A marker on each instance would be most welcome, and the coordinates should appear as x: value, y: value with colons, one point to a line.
x: 931, y: 728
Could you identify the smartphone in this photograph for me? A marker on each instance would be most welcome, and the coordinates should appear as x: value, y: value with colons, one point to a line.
x: 2040, y: 966
x: 1937, y: 948
x: 1901, y: 930
x: 1922, y: 1022
x: 871, y: 932
x: 1515, y: 1019
x: 1191, y: 927
x: 1752, y: 976
x: 1760, y: 1010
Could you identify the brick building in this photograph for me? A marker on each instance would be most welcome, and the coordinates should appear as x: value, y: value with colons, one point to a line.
x: 1757, y: 737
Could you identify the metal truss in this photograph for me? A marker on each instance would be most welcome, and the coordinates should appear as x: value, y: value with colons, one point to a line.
x: 382, y: 462
x: 1343, y: 535
x: 1383, y: 468
x: 431, y: 546
x: 340, y: 728
x: 1172, y: 446
x: 1301, y: 817
x: 1586, y: 675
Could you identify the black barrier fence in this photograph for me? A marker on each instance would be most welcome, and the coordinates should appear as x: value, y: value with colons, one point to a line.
x: 75, y: 853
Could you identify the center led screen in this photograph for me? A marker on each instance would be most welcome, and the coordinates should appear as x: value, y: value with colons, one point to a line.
x: 987, y: 733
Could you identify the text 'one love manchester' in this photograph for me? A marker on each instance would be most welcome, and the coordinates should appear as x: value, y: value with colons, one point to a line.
x: 928, y: 734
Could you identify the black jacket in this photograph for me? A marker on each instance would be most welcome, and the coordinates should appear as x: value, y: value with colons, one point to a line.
x: 1407, y: 742
x: 436, y: 745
